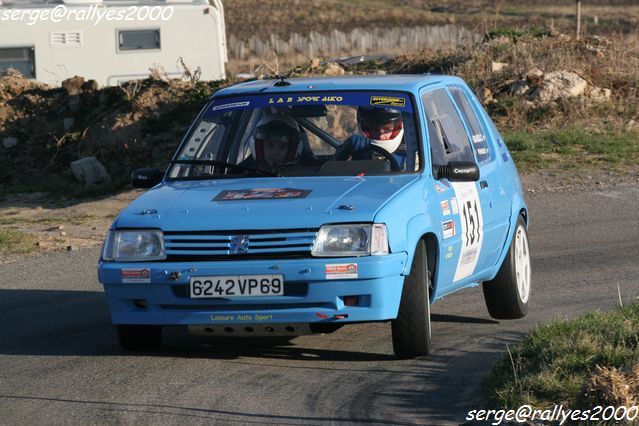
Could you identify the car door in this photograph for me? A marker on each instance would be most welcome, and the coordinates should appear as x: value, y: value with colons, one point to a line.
x: 492, y: 189
x: 458, y: 204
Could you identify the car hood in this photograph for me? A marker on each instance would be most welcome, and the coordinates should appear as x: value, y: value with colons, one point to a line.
x: 311, y: 202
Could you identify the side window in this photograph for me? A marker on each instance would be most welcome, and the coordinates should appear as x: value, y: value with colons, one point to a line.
x: 138, y: 39
x: 478, y: 134
x: 20, y: 58
x: 447, y: 135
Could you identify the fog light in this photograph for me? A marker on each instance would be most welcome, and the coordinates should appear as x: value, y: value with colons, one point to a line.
x: 351, y: 300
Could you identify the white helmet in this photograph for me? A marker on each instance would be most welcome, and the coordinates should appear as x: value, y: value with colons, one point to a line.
x: 277, y: 127
x: 371, y: 120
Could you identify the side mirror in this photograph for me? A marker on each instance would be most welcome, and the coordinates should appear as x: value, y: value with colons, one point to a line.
x: 146, y: 178
x: 459, y: 171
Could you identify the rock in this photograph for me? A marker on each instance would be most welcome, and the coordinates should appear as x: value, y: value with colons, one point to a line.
x: 333, y: 70
x: 598, y: 94
x: 60, y: 227
x: 239, y: 76
x: 380, y: 72
x: 9, y: 142
x: 63, y: 233
x: 631, y: 125
x: 90, y: 86
x: 315, y: 63
x: 73, y: 85
x: 90, y: 171
x: 11, y: 72
x: 535, y: 76
x: 486, y: 96
x: 498, y: 66
x: 73, y: 248
x: 519, y: 88
x: 560, y: 84
x: 67, y: 123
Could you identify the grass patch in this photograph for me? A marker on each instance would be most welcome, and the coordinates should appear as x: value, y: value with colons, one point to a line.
x: 572, y: 147
x: 15, y: 242
x: 555, y: 361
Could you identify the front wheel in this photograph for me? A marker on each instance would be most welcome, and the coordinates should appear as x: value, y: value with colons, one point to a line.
x: 140, y: 337
x: 508, y: 295
x: 411, y: 328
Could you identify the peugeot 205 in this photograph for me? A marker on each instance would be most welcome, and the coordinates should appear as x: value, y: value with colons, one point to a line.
x: 296, y: 206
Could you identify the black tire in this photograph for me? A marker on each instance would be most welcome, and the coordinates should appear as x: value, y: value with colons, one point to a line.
x: 411, y: 328
x: 503, y: 295
x: 140, y: 337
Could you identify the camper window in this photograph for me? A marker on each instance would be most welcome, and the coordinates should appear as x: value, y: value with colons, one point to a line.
x: 139, y: 39
x: 20, y: 58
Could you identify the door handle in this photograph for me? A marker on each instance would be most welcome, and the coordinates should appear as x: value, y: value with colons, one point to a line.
x: 483, y: 184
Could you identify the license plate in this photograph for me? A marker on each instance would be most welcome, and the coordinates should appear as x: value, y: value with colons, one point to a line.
x: 237, y: 286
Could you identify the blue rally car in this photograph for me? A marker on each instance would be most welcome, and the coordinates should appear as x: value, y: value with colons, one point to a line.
x: 298, y: 206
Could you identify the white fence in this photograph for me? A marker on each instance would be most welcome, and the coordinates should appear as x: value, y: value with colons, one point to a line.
x: 358, y: 41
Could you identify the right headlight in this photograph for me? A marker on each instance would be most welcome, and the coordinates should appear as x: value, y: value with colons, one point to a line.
x: 359, y: 239
x: 134, y: 245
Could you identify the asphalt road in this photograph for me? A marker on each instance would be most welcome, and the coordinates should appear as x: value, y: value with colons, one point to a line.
x: 60, y: 362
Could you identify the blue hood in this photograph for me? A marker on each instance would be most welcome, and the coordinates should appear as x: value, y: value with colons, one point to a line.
x: 190, y: 206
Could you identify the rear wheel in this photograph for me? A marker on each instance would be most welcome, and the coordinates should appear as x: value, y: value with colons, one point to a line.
x: 411, y: 328
x: 140, y: 337
x: 507, y: 296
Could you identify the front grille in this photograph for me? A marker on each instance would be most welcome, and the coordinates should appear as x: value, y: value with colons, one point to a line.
x: 238, y: 245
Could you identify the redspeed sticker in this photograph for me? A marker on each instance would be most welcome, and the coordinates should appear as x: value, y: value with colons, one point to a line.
x: 341, y: 270
x: 445, y: 205
x: 448, y: 228
x: 388, y: 101
x: 136, y: 275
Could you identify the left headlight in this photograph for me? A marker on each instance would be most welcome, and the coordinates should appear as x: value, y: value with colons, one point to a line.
x: 134, y: 245
x: 351, y: 240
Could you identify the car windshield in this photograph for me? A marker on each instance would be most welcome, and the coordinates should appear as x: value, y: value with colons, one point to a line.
x: 301, y: 134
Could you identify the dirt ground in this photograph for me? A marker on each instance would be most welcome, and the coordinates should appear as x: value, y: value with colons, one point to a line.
x: 58, y: 225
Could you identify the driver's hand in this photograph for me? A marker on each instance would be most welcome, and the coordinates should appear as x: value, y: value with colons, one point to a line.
x: 357, y: 143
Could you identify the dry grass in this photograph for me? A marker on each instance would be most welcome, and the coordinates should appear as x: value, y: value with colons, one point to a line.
x: 284, y: 17
x: 612, y: 387
x: 611, y: 63
x: 580, y: 363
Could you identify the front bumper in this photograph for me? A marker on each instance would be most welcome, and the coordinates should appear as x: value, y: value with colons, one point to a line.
x: 309, y: 296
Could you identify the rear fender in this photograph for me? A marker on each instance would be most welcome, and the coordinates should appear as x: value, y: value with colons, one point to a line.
x: 517, y: 207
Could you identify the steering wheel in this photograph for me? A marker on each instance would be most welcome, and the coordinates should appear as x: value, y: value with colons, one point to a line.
x: 373, y: 149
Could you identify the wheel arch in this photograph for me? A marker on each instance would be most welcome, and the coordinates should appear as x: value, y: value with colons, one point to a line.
x: 432, y: 245
x: 518, y: 208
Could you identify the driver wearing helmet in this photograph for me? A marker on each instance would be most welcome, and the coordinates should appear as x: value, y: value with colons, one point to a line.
x: 275, y: 142
x: 382, y: 127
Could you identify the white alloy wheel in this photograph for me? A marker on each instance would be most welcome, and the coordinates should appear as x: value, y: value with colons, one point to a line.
x: 522, y: 264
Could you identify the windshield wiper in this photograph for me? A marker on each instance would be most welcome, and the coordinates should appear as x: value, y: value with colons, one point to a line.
x: 258, y: 171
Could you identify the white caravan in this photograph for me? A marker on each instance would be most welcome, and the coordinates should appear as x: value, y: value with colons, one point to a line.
x: 112, y: 41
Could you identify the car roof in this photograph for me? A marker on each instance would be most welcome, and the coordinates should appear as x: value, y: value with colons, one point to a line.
x: 398, y: 82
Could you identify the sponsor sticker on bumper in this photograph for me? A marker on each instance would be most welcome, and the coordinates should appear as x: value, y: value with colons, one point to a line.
x: 341, y: 271
x: 136, y: 275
